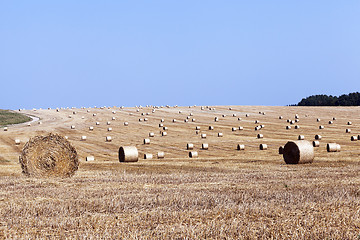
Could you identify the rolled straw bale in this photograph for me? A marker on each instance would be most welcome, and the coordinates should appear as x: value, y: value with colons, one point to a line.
x: 146, y: 141
x: 318, y: 119
x: 321, y: 127
x: 126, y: 124
x: 316, y: 143
x: 164, y: 134
x: 334, y: 118
x: 160, y: 155
x: 165, y: 128
x: 108, y: 139
x: 230, y: 108
x: 349, y: 123
x: 216, y: 119
x: 191, y: 114
x: 151, y: 134
x: 297, y: 126
x: 89, y: 158
x: 318, y: 137
x: 233, y: 129
x: 128, y: 154
x: 203, y: 135
x: 298, y: 152
x: 49, y: 156
x: 224, y: 115
x: 211, y: 128
x: 292, y: 122
x: 240, y: 147
x: 239, y: 119
x: 113, y: 118
x: 358, y: 137
x: 83, y: 138
x: 220, y: 134
x: 247, y: 115
x: 72, y: 127
x: 301, y: 137
x: 39, y: 122
x: 297, y: 120
x: 330, y: 122
x: 17, y: 141
x: 91, y: 128
x: 234, y: 114
x: 241, y: 128
x: 140, y: 119
x: 162, y: 120
x: 333, y: 147
x: 288, y: 120
x: 354, y: 138
x: 5, y: 129
x: 262, y: 125
x: 257, y: 128
x: 66, y: 137
x: 288, y: 127
x: 109, y: 129
x: 185, y: 120
x: 148, y: 156
x: 260, y: 136
x: 296, y: 116
x: 197, y: 128
x: 348, y: 130
x: 81, y: 118
x: 188, y: 117
x: 193, y: 154
x: 193, y: 120
x: 108, y: 123
x: 281, y: 150
x: 161, y: 125
x: 280, y: 117
x: 69, y: 116
x: 174, y: 120
x: 97, y: 123
x: 189, y: 146
x: 94, y: 114
x: 256, y: 121
x: 263, y: 146
x: 205, y: 146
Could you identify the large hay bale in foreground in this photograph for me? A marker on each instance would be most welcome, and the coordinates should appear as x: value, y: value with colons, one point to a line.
x: 297, y: 152
x: 128, y: 154
x: 49, y: 156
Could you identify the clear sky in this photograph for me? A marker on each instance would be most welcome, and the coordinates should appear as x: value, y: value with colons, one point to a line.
x: 105, y: 53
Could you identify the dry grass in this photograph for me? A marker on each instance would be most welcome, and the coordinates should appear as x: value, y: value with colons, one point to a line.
x: 224, y: 193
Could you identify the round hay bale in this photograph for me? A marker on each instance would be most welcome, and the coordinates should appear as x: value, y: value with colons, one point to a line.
x: 164, y: 134
x: 211, y: 128
x: 296, y: 116
x: 354, y: 138
x: 83, y: 138
x: 333, y: 147
x: 321, y: 127
x: 334, y: 118
x: 128, y: 154
x: 197, y: 128
x: 174, y: 120
x: 97, y: 123
x: 165, y: 128
x: 91, y: 128
x: 203, y: 135
x: 297, y: 126
x: 247, y: 115
x: 257, y: 128
x: 146, y: 141
x: 288, y: 127
x: 108, y: 123
x: 148, y: 156
x: 108, y: 139
x: 281, y: 150
x: 318, y: 120
x: 260, y: 136
x: 193, y: 120
x: 109, y: 129
x: 239, y: 119
x: 318, y: 137
x: 349, y: 123
x: 220, y: 134
x: 162, y: 120
x: 49, y: 156
x: 204, y: 146
x: 193, y: 154
x: 72, y: 127
x: 113, y: 118
x: 240, y: 147
x: 160, y: 155
x: 161, y: 125
x: 17, y: 141
x: 233, y: 129
x: 189, y: 146
x: 256, y: 121
x: 241, y: 128
x: 185, y: 120
x: 280, y: 117
x: 94, y: 114
x: 234, y: 114
x: 348, y: 130
x: 316, y: 143
x: 89, y: 158
x: 5, y: 129
x: 331, y: 122
x: 263, y: 146
x: 298, y: 152
x: 301, y: 137
x: 140, y: 119
x: 297, y: 120
x: 151, y: 134
x: 216, y: 119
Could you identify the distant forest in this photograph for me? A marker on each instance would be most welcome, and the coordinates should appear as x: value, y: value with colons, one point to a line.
x: 351, y: 99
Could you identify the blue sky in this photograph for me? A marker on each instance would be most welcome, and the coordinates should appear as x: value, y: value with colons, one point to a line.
x: 86, y: 53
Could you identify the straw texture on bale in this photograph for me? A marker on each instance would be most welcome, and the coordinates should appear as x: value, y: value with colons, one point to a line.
x: 333, y: 147
x: 49, y: 156
x: 128, y: 154
x: 298, y: 152
x: 316, y: 143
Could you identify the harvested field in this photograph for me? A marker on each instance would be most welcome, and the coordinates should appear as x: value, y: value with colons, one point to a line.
x: 223, y: 193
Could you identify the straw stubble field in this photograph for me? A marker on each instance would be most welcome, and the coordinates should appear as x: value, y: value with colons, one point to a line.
x: 224, y: 193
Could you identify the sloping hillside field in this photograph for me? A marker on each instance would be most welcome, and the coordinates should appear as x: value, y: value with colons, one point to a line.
x: 223, y: 193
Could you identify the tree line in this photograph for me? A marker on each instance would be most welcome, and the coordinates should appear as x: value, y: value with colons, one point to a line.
x: 351, y: 99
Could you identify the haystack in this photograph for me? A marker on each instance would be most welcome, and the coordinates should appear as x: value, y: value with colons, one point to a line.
x: 296, y: 152
x: 49, y: 156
